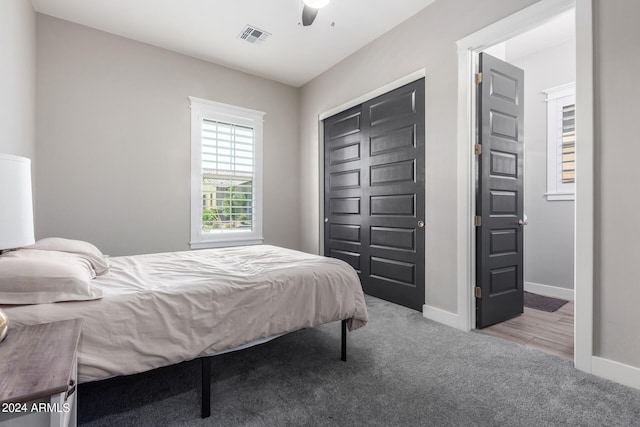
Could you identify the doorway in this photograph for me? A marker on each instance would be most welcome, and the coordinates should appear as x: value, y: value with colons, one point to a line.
x: 528, y: 18
x: 542, y: 244
x: 525, y: 242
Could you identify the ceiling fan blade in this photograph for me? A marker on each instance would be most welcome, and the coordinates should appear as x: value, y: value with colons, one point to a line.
x: 308, y: 15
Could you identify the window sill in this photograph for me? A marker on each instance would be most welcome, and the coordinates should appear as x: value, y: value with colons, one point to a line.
x: 560, y: 196
x: 218, y: 243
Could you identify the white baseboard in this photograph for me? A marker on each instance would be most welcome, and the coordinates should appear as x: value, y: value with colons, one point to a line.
x: 615, y: 371
x: 549, y: 291
x: 440, y: 316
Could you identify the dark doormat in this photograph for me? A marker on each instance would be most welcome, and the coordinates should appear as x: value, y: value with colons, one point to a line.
x: 543, y: 303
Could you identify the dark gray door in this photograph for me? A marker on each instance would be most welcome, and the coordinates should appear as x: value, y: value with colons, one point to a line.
x: 499, y: 236
x: 374, y: 193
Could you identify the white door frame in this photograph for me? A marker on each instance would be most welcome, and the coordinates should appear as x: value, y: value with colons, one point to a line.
x: 468, y: 49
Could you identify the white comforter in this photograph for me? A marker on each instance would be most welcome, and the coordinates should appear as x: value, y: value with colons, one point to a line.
x: 162, y: 309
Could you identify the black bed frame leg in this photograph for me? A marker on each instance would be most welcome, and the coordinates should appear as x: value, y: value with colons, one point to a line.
x: 206, y: 387
x: 344, y: 341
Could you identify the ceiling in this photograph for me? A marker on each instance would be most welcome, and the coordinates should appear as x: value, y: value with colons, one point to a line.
x: 209, y: 29
x: 558, y: 30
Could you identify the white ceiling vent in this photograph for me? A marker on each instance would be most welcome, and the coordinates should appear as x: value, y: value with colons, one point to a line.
x: 253, y: 35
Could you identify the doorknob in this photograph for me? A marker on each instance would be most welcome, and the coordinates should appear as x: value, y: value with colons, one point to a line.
x: 420, y: 224
x: 326, y: 220
x: 522, y: 222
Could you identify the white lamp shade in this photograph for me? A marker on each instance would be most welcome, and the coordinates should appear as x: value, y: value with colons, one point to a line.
x: 316, y: 4
x: 16, y: 206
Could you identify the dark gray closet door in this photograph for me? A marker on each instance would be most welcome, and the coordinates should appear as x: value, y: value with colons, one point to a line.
x: 374, y: 193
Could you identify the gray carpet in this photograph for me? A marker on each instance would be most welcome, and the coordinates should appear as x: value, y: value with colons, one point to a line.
x: 403, y: 370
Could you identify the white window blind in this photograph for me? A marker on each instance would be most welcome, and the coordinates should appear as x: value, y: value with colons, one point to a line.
x: 226, y: 175
x: 561, y: 142
x: 569, y: 144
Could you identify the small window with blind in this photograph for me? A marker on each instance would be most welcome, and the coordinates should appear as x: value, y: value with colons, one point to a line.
x: 226, y: 164
x: 561, y: 142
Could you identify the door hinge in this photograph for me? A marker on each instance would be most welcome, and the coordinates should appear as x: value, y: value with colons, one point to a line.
x: 478, y: 292
x: 478, y: 78
x: 477, y: 149
x: 477, y: 220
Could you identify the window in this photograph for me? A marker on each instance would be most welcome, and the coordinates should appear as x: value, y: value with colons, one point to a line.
x: 226, y: 175
x: 561, y: 142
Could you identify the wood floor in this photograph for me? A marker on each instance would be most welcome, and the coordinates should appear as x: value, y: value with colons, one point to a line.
x: 548, y: 332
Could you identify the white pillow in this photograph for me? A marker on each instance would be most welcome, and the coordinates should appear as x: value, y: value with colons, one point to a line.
x: 29, y: 276
x: 99, y: 262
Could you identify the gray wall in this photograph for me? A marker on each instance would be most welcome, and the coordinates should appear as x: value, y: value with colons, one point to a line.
x: 95, y: 146
x: 549, y: 237
x: 617, y: 292
x: 17, y: 78
x: 114, y: 140
x: 427, y: 40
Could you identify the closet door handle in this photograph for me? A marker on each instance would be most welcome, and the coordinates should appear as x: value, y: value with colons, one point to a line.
x: 522, y: 222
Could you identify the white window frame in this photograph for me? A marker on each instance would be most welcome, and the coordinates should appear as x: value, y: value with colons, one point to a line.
x: 557, y: 98
x: 202, y: 109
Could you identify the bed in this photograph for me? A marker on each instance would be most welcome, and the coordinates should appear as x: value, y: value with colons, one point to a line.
x: 149, y: 311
